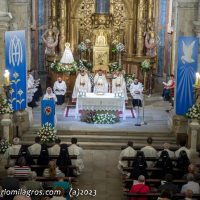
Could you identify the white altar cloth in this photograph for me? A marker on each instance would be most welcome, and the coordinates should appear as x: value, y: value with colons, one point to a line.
x: 106, y: 102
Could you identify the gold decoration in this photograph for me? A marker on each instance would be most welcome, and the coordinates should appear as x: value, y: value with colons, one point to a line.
x: 54, y: 13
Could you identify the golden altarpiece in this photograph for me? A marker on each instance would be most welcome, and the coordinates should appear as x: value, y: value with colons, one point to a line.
x: 126, y: 22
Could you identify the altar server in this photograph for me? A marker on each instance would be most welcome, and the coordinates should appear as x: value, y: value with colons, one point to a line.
x: 60, y: 90
x: 136, y: 90
x: 119, y: 84
x: 100, y: 82
x: 50, y: 95
x: 82, y: 84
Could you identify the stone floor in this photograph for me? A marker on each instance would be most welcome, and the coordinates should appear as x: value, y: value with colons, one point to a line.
x: 154, y: 114
x: 101, y: 174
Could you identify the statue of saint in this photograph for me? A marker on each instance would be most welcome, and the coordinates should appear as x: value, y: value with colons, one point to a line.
x: 50, y: 38
x: 151, y: 41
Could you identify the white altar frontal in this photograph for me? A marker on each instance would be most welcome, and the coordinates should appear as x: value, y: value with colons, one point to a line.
x: 104, y: 102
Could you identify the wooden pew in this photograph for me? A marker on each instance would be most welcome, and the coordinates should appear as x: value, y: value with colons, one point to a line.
x: 37, y: 156
x: 146, y: 158
x: 36, y: 167
x: 157, y: 147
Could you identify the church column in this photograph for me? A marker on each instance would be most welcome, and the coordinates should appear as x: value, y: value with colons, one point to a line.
x: 129, y: 38
x: 197, y: 30
x: 4, y: 25
x: 54, y: 13
x: 141, y: 21
x: 62, y: 26
x: 74, y: 34
x: 68, y: 19
x: 150, y: 11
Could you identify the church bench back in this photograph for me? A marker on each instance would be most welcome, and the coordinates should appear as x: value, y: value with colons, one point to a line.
x: 157, y: 147
x: 51, y: 157
x: 35, y: 167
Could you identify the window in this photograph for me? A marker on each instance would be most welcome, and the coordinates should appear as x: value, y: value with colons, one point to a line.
x: 102, y: 6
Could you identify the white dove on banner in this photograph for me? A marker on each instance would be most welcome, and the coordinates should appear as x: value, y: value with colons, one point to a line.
x: 188, y: 51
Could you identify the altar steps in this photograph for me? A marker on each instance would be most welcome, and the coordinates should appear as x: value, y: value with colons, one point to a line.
x: 106, y: 140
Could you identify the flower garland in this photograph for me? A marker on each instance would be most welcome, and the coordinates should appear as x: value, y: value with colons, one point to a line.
x: 82, y: 47
x: 146, y: 65
x: 129, y: 78
x: 58, y: 67
x: 5, y: 107
x: 106, y: 118
x: 118, y: 47
x: 194, y: 112
x: 47, y: 133
x: 114, y: 67
x: 100, y: 117
x: 4, y: 144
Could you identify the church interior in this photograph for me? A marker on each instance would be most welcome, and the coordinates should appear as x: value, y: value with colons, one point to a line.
x: 99, y: 99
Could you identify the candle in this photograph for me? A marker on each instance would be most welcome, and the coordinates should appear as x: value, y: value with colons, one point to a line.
x: 7, y: 78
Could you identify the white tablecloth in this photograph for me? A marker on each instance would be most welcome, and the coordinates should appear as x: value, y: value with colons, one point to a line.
x: 107, y: 102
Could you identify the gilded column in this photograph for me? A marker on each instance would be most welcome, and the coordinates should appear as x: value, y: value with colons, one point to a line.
x: 141, y: 22
x: 68, y: 19
x: 54, y: 13
x: 150, y: 10
x: 62, y: 26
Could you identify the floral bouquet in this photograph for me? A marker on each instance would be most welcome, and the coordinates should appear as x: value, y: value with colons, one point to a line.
x: 146, y: 65
x: 84, y: 64
x: 105, y: 118
x: 47, y: 133
x: 129, y: 78
x: 194, y: 112
x: 5, y: 107
x: 114, y: 67
x: 82, y: 47
x: 58, y: 67
x: 4, y: 144
x: 120, y: 48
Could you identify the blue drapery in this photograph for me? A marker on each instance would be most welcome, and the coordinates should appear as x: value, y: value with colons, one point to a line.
x: 15, y: 56
x: 102, y: 6
x: 186, y: 71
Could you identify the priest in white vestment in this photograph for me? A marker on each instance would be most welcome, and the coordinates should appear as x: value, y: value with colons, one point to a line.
x: 82, y: 84
x: 55, y: 149
x: 119, y: 84
x: 12, y: 150
x: 136, y: 90
x: 127, y: 152
x: 100, y: 83
x: 35, y: 148
x: 150, y: 151
x: 60, y: 89
x: 74, y: 149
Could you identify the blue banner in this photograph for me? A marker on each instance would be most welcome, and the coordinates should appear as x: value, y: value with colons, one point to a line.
x: 186, y: 72
x: 102, y: 6
x: 15, y: 56
x: 47, y: 112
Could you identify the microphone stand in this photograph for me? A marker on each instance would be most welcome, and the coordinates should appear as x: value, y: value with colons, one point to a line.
x: 143, y: 103
x: 137, y: 123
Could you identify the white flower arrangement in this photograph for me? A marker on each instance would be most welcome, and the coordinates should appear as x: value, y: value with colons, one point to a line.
x: 47, y: 133
x: 4, y: 144
x: 82, y: 47
x: 106, y: 118
x: 194, y: 112
x: 129, y: 78
x: 120, y: 48
x: 58, y: 67
x: 5, y: 107
x: 146, y: 65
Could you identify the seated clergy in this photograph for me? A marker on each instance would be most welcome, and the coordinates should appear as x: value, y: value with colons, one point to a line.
x: 149, y: 151
x: 59, y: 89
x: 13, y: 150
x: 100, y: 82
x: 119, y: 84
x: 35, y: 148
x: 82, y: 84
x: 136, y: 90
x: 127, y: 152
x: 50, y: 95
x: 74, y: 149
x: 55, y: 149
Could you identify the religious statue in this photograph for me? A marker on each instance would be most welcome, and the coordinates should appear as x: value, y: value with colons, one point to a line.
x: 151, y: 42
x: 50, y: 38
x: 67, y: 57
